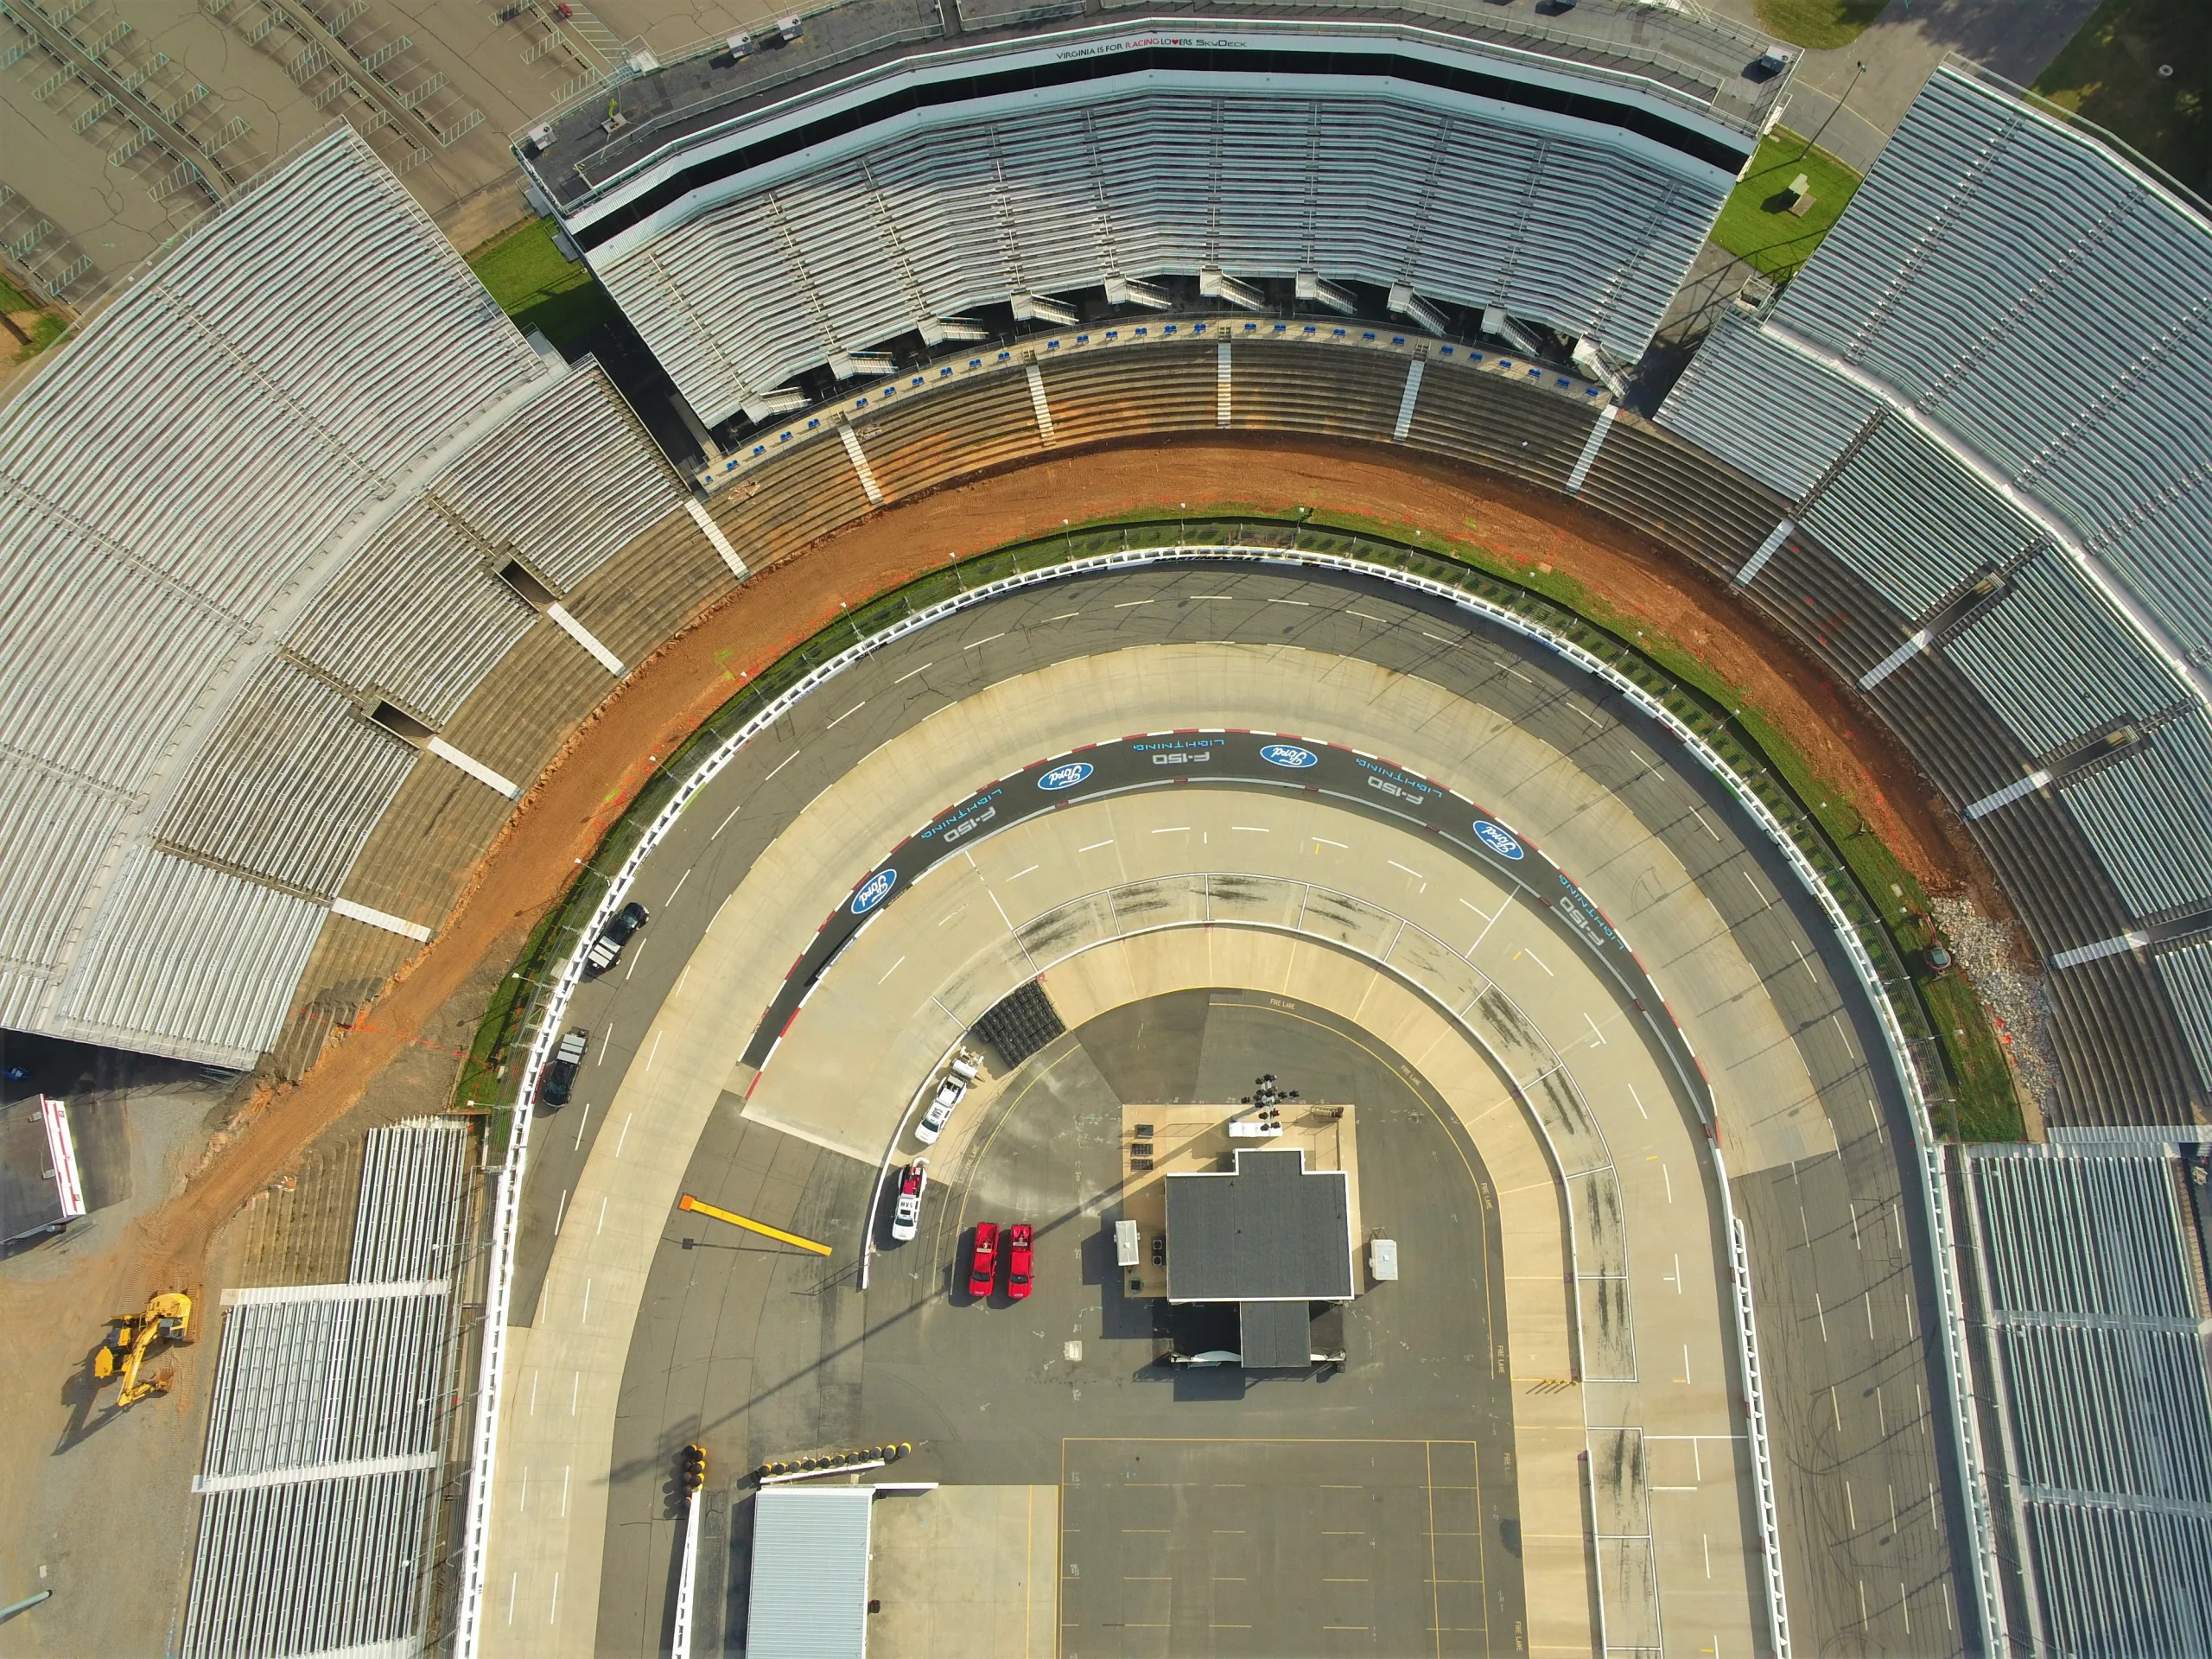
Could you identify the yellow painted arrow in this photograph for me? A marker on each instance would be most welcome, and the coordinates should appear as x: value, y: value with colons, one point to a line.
x: 700, y: 1207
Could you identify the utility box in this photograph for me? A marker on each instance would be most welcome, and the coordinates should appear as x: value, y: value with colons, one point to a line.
x: 1125, y: 1244
x: 1383, y: 1259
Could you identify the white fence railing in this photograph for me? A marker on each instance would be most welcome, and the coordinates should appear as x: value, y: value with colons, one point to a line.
x: 1935, y: 1193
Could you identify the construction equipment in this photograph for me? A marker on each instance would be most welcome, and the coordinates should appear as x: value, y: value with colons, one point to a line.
x: 131, y: 1337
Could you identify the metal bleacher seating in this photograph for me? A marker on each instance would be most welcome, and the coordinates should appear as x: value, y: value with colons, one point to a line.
x: 2055, y: 662
x: 2149, y: 816
x: 327, y: 1430
x: 2091, y: 1283
x: 742, y: 268
x: 253, y: 496
x: 1993, y: 363
x: 1899, y: 514
x: 2187, y: 975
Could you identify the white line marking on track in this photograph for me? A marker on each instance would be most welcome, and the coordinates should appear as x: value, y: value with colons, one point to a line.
x: 848, y: 712
x: 1306, y: 604
x: 560, y: 1213
x: 977, y: 645
x: 1638, y: 1099
x: 1131, y: 604
x: 1594, y: 1031
x: 1525, y: 951
x: 1364, y: 616
x: 724, y: 824
x: 1250, y: 829
x: 1017, y: 874
x: 892, y: 969
x: 1488, y: 924
x: 781, y: 764
x: 580, y: 1121
x: 1095, y: 845
x: 621, y: 1140
x: 910, y: 672
x: 1703, y: 825
x: 1062, y: 616
x: 1394, y: 865
x: 1325, y: 841
x: 1173, y: 829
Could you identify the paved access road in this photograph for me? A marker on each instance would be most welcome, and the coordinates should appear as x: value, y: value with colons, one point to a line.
x: 1810, y: 1361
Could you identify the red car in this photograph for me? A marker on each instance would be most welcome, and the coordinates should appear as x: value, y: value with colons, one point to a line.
x: 984, y: 1268
x: 1020, y: 1239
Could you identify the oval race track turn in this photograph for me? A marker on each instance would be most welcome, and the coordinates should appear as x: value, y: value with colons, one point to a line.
x: 1371, y: 668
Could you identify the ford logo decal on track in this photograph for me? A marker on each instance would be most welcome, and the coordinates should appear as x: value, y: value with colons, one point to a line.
x: 1066, y: 777
x: 1498, y: 841
x: 874, y: 891
x: 1289, y: 756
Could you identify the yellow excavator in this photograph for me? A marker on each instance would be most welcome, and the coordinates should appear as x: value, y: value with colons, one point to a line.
x: 131, y: 1337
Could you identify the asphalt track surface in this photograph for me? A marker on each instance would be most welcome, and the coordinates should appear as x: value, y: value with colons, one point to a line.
x: 1868, y: 1499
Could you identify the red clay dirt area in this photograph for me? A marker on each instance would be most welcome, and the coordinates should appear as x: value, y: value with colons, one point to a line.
x: 409, y: 1040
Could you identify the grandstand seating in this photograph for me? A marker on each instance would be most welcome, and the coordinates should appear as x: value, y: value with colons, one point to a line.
x: 327, y: 1429
x: 255, y: 493
x: 1996, y: 361
x: 243, y: 807
x: 2092, y: 1295
x: 742, y: 271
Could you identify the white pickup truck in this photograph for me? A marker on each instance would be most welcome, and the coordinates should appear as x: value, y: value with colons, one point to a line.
x: 950, y: 1090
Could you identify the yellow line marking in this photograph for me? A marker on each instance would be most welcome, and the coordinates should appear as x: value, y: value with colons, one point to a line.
x: 699, y: 1207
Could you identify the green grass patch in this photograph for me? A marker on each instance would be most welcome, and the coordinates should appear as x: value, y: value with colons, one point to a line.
x: 1756, y: 225
x: 46, y: 327
x: 525, y: 273
x: 1822, y: 23
x: 2109, y: 73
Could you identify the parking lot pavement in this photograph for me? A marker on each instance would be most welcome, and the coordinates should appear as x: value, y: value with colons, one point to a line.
x: 964, y: 1570
x: 1273, y: 1548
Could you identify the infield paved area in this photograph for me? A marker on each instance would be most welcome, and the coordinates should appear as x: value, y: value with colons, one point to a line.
x: 1838, y: 1545
x: 1275, y: 1546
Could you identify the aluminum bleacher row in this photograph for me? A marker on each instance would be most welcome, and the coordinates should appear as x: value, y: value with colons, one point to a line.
x: 258, y: 498
x: 330, y: 1425
x: 1986, y: 397
x: 2090, y: 1275
x: 1421, y: 149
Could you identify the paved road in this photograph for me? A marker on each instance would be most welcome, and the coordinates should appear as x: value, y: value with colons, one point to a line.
x: 1838, y: 1536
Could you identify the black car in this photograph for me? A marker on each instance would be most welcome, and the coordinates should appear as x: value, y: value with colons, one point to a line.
x: 558, y: 1081
x: 606, y: 950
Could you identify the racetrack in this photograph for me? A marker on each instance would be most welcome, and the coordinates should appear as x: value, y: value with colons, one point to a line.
x: 1613, y: 837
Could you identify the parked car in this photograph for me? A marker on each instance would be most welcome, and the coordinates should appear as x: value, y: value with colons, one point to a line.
x: 559, y: 1081
x: 983, y: 1262
x: 606, y: 950
x: 950, y: 1093
x: 1020, y: 1249
x: 906, y: 1214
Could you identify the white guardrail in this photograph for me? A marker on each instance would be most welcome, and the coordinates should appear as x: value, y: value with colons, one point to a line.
x: 506, y: 1208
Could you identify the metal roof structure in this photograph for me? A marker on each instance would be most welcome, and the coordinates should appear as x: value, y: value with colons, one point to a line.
x: 809, y: 1598
x: 1269, y: 1230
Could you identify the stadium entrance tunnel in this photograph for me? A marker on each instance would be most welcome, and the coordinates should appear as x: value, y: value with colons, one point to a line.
x: 1422, y: 825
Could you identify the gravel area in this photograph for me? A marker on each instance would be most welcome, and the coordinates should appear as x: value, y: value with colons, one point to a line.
x: 1989, y: 952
